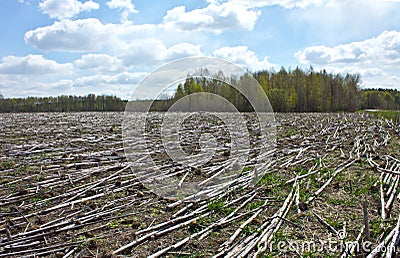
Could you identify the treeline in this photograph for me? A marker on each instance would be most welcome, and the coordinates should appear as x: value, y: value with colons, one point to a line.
x: 293, y: 91
x: 380, y: 99
x: 306, y: 91
x: 309, y: 91
x: 288, y: 91
x: 90, y: 102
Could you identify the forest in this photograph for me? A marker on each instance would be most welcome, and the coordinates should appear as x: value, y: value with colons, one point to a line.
x: 288, y: 91
x: 63, y: 103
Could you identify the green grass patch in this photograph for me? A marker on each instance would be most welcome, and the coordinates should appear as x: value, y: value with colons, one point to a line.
x: 393, y: 115
x: 7, y: 164
x: 255, y: 205
x: 271, y: 179
x: 216, y: 205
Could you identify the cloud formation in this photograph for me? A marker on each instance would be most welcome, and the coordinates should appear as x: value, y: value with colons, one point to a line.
x: 63, y: 9
x: 84, y: 35
x: 214, y: 18
x: 32, y: 65
x: 153, y: 51
x: 376, y: 59
x: 131, y: 78
x: 121, y: 84
x: 125, y: 6
x: 384, y: 48
x: 99, y: 63
x: 287, y: 4
x: 244, y: 57
x: 327, y: 34
x: 66, y: 35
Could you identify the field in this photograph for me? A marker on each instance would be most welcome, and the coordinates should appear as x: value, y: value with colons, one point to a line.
x: 67, y: 190
x: 393, y: 115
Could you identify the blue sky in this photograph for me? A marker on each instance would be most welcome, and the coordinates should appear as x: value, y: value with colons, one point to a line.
x: 55, y: 47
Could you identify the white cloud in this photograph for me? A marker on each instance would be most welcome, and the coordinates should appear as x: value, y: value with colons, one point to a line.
x: 153, y: 51
x: 32, y: 65
x: 100, y: 79
x: 365, y: 73
x: 62, y: 9
x: 182, y: 50
x: 371, y: 77
x: 122, y: 4
x: 369, y: 72
x: 125, y: 6
x: 85, y: 35
x: 242, y: 56
x: 133, y: 44
x: 143, y: 52
x: 288, y: 4
x: 80, y: 35
x: 376, y: 59
x: 214, y: 18
x: 120, y: 84
x: 345, y: 20
x: 99, y: 62
x: 388, y: 82
x: 385, y: 48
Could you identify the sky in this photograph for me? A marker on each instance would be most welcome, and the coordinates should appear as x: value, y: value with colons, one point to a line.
x: 77, y: 47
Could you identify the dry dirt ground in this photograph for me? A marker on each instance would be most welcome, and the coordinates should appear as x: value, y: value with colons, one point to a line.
x: 67, y: 190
